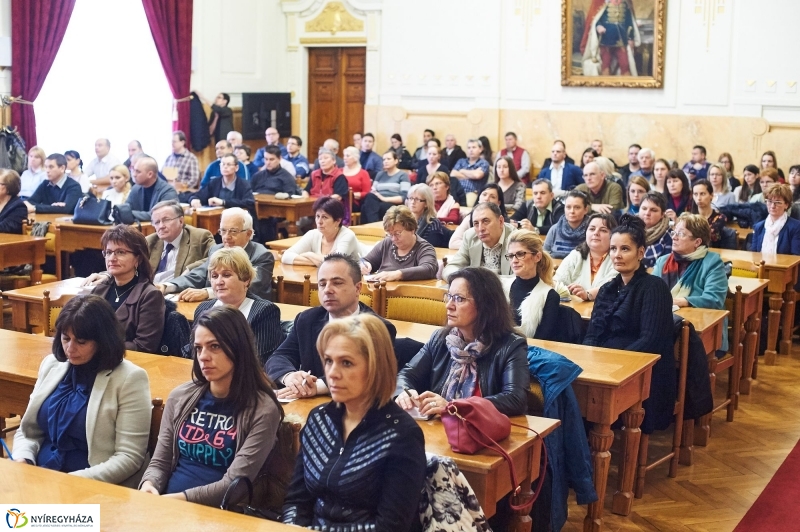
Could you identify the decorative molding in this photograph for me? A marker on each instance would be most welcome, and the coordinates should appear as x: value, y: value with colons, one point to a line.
x: 709, y: 9
x: 334, y: 18
x: 333, y: 40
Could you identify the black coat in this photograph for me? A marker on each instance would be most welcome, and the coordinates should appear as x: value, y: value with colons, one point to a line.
x: 299, y: 350
x: 13, y: 215
x: 242, y: 194
x: 503, y: 375
x: 199, y: 136
x: 451, y: 160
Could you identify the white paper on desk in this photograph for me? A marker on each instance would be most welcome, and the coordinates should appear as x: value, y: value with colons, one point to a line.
x: 414, y: 413
x: 172, y: 297
x: 286, y: 399
x: 208, y: 208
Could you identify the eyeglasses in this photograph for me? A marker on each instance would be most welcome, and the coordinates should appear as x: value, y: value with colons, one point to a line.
x: 417, y: 200
x: 163, y: 221
x: 395, y: 236
x: 775, y: 203
x: 455, y: 297
x: 679, y: 234
x: 232, y: 232
x: 519, y: 255
x: 119, y: 253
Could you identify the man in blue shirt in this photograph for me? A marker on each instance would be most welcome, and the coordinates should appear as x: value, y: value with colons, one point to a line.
x: 223, y: 148
x: 272, y: 136
x: 370, y: 161
x: 473, y: 171
x: 698, y: 167
x: 58, y: 193
x: 296, y: 158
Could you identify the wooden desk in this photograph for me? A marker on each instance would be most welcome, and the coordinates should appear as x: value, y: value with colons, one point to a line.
x: 372, y: 229
x: 291, y: 209
x: 485, y: 471
x: 120, y: 508
x: 18, y: 250
x: 26, y: 303
x: 741, y: 232
x: 73, y: 237
x: 781, y: 272
x: 753, y: 295
x: 207, y: 218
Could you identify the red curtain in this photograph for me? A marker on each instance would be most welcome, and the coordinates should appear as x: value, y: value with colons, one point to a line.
x: 171, y: 25
x: 37, y: 29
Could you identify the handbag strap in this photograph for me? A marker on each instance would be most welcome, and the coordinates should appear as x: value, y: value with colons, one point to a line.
x: 232, y: 488
x: 475, y: 430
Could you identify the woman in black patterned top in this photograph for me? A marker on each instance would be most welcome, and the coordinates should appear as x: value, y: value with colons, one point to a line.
x: 362, y: 458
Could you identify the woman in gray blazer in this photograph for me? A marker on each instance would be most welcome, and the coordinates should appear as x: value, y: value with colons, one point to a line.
x: 89, y: 413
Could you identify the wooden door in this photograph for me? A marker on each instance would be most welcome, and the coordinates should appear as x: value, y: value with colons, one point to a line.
x: 336, y: 87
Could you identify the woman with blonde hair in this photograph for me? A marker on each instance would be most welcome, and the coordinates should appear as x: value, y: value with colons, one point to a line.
x: 722, y: 190
x: 362, y: 458
x: 357, y: 178
x: 534, y: 301
x: 402, y: 255
x: 32, y: 177
x: 120, y: 187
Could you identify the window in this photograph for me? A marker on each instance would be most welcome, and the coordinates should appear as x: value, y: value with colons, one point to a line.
x: 106, y: 81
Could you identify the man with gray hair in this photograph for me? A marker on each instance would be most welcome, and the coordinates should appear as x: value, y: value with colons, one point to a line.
x: 473, y: 170
x: 236, y: 230
x: 333, y: 145
x: 647, y: 160
x: 485, y: 244
x: 148, y: 190
x: 605, y: 195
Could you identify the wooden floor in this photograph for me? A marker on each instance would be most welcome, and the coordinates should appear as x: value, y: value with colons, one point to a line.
x: 729, y: 474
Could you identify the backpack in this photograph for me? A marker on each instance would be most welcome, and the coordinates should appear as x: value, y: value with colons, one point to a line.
x: 176, y: 332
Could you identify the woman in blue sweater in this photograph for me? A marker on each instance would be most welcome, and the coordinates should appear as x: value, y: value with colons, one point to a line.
x: 779, y: 233
x: 695, y: 276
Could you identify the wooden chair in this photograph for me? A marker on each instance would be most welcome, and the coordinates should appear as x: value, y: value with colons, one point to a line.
x: 355, y: 217
x: 681, y: 362
x: 269, y: 487
x: 171, y: 173
x: 155, y: 424
x: 278, y: 288
x: 50, y: 311
x: 750, y: 270
x: 370, y: 295
x: 415, y: 303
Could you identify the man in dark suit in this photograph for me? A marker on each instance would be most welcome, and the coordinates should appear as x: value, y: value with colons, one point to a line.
x: 58, y: 193
x: 562, y: 175
x: 236, y: 230
x: 227, y: 191
x: 148, y: 190
x: 452, y: 152
x: 296, y: 364
x: 175, y: 247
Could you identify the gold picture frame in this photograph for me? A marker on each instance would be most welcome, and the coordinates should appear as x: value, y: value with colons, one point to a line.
x: 587, y: 62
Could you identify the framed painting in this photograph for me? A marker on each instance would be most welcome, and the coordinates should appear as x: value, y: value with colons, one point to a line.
x: 613, y: 43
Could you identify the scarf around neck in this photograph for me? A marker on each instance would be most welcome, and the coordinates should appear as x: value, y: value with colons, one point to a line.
x: 771, y: 231
x: 463, y: 374
x: 681, y: 285
x: 655, y: 233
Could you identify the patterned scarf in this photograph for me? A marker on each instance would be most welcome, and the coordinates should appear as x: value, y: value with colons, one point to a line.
x: 681, y: 285
x: 655, y: 233
x: 463, y: 374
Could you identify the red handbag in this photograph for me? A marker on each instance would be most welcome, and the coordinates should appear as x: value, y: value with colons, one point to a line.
x: 473, y: 424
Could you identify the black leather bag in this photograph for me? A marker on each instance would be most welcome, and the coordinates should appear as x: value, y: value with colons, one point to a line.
x: 92, y: 211
x: 123, y: 214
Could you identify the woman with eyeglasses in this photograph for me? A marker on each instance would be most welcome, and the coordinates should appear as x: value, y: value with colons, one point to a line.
x: 402, y: 255
x: 129, y: 288
x: 491, y: 192
x: 13, y: 212
x: 588, y: 267
x: 703, y: 194
x: 476, y: 354
x: 570, y: 230
x: 779, y: 233
x: 750, y: 186
x: 513, y: 189
x: 695, y: 276
x: 534, y: 302
x: 766, y: 178
x: 633, y: 312
x: 429, y: 227
x: 330, y: 236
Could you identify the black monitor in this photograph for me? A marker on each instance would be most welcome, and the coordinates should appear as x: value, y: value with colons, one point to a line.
x: 261, y: 110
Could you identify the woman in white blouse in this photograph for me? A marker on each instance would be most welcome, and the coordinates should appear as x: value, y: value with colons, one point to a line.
x: 75, y: 170
x: 34, y: 174
x: 329, y: 236
x: 120, y: 185
x: 589, y: 266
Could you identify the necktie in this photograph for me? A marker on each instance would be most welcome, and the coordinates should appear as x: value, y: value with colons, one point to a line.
x: 162, y: 264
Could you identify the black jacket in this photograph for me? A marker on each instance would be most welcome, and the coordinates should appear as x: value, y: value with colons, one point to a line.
x: 199, y: 136
x: 299, y: 350
x: 503, y: 375
x: 372, y: 481
x: 13, y: 216
x: 242, y: 194
x: 451, y: 160
x: 266, y: 182
x: 528, y: 210
x: 45, y: 195
x: 163, y: 191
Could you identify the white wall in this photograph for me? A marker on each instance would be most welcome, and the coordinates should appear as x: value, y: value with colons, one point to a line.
x: 5, y: 31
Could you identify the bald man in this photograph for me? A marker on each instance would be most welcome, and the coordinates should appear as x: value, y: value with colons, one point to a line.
x: 149, y: 189
x: 273, y: 139
x: 99, y: 167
